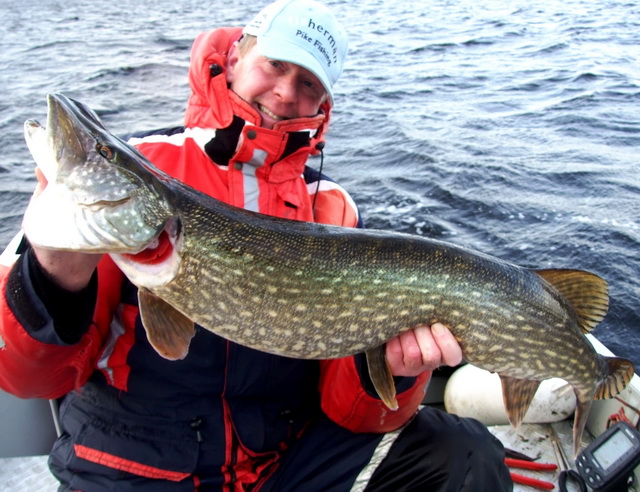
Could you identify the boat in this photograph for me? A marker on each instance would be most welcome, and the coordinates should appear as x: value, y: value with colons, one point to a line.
x: 535, y: 437
x: 30, y: 427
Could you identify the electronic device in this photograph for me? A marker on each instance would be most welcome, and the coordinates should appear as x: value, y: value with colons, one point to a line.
x: 607, y: 462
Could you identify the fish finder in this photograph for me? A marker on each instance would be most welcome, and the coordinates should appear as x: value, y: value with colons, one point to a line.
x: 607, y: 462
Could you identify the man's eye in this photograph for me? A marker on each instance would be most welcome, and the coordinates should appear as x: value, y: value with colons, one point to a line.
x: 309, y: 84
x: 313, y: 88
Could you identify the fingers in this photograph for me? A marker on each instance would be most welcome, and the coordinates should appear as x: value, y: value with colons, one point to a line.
x: 451, y: 352
x: 438, y: 346
x: 423, y: 348
x: 429, y: 349
x: 42, y: 182
x: 395, y: 357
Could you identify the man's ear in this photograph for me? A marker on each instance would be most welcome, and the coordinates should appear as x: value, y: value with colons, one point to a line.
x: 232, y: 59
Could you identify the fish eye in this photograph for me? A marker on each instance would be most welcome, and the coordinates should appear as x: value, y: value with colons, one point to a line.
x: 105, y: 151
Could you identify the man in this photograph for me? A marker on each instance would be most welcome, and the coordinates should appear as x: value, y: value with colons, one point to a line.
x: 228, y: 417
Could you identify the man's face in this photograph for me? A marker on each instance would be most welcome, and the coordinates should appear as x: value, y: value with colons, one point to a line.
x: 276, y: 89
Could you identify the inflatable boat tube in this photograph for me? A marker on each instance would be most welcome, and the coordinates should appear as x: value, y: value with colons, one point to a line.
x: 474, y: 392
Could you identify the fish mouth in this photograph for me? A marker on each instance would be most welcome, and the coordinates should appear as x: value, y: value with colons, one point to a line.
x: 159, y: 262
x: 158, y: 251
x: 98, y: 197
x: 67, y: 133
x: 37, y: 138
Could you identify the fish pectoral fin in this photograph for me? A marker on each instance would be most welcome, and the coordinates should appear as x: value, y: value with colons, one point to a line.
x: 585, y: 291
x: 381, y: 376
x: 169, y: 331
x: 517, y: 395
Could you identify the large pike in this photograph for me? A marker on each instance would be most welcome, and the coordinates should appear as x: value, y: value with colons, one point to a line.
x: 307, y: 290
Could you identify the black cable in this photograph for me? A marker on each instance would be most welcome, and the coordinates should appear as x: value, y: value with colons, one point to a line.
x: 320, y: 147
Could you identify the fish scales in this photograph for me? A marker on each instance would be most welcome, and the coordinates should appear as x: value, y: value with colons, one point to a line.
x: 434, y: 284
x: 307, y: 290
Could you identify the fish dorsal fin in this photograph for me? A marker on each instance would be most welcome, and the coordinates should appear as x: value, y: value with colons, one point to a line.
x: 168, y: 330
x: 517, y: 395
x: 585, y: 291
x: 381, y: 376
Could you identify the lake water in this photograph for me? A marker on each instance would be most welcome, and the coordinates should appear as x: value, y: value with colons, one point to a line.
x: 507, y: 126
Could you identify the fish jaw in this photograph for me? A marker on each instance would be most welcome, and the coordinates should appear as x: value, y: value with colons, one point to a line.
x: 159, y: 263
x: 36, y: 137
x: 99, y: 196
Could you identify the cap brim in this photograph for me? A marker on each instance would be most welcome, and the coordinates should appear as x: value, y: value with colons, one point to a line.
x: 289, y: 52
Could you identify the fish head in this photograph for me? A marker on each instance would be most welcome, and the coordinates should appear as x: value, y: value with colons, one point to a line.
x: 102, y: 195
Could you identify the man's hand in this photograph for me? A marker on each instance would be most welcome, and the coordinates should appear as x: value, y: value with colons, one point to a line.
x: 422, y: 348
x: 71, y: 271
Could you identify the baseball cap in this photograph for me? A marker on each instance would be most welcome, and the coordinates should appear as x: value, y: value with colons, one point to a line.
x: 303, y: 32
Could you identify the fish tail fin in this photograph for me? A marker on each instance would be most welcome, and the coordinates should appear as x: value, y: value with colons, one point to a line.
x: 585, y: 291
x: 617, y: 374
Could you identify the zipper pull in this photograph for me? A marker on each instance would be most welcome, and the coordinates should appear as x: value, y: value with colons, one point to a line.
x: 196, y: 425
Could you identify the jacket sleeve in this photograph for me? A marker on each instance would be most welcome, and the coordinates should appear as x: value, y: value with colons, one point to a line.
x: 39, y: 356
x: 348, y: 397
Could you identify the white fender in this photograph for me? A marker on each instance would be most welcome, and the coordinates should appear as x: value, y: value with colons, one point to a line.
x: 474, y: 392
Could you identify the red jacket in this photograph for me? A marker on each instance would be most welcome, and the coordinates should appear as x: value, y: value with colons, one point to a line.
x: 228, y: 394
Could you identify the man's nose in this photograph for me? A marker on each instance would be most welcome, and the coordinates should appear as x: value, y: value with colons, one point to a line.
x: 286, y: 88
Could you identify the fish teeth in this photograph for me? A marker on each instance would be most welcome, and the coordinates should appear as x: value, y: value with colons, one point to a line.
x: 153, y: 244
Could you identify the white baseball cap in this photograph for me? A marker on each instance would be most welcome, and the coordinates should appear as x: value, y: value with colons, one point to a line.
x: 304, y: 32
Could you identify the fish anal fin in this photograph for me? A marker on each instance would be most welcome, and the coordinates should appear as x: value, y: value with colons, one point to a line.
x: 381, y: 376
x: 517, y: 395
x: 618, y: 372
x: 585, y: 291
x: 168, y: 330
x: 583, y: 406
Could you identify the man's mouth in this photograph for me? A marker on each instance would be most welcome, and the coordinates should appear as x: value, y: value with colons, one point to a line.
x: 270, y: 114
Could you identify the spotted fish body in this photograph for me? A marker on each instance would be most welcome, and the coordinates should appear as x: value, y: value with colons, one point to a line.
x: 307, y: 290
